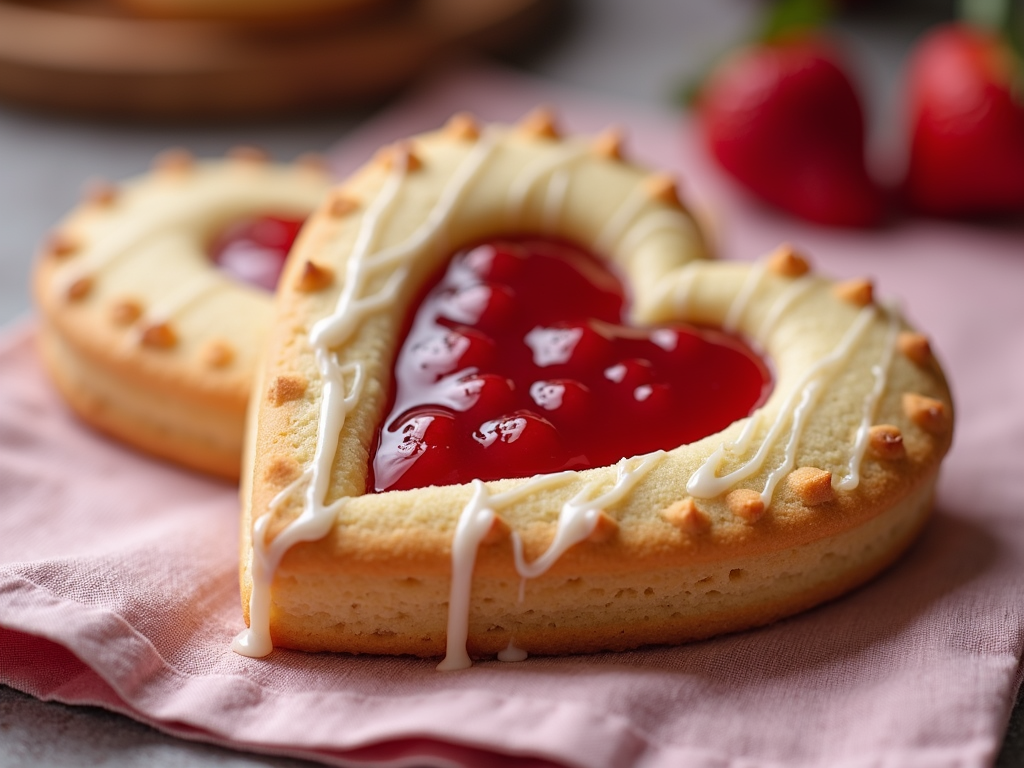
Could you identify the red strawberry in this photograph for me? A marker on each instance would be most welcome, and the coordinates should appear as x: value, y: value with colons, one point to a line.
x: 784, y: 119
x: 967, y: 130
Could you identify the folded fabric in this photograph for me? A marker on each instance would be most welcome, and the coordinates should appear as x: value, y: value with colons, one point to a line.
x: 118, y: 582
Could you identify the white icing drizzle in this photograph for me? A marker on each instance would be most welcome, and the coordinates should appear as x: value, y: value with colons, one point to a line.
x: 474, y: 523
x: 512, y: 653
x: 619, y: 223
x: 554, y: 201
x: 787, y: 299
x: 119, y: 242
x: 741, y: 443
x: 576, y: 521
x: 880, y: 372
x: 739, y: 304
x: 197, y: 289
x: 678, y: 289
x: 312, y: 524
x: 651, y: 224
x: 705, y: 483
x: 524, y: 183
x: 317, y: 517
x: 580, y: 514
x: 808, y: 396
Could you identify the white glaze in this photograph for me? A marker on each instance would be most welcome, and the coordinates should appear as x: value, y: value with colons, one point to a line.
x: 786, y: 300
x: 512, y: 653
x: 554, y: 200
x: 851, y: 478
x: 751, y: 283
x: 705, y: 483
x: 576, y: 522
x: 579, y: 515
x: 520, y: 189
x: 619, y: 223
x: 202, y: 286
x: 474, y: 523
x: 651, y: 224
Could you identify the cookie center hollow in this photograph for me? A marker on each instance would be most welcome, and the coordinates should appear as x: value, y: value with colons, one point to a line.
x: 517, y: 361
x: 253, y: 250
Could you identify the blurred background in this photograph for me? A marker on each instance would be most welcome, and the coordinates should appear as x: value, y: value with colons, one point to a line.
x: 95, y: 88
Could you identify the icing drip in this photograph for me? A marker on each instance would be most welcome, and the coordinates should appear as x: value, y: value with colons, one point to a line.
x: 580, y: 514
x: 533, y: 173
x: 512, y: 653
x: 123, y: 241
x: 787, y: 299
x: 555, y: 199
x: 705, y: 483
x: 739, y: 304
x: 619, y: 223
x: 313, y: 524
x: 651, y: 224
x: 191, y: 293
x: 880, y: 372
x: 676, y: 292
x: 474, y: 523
x: 576, y: 521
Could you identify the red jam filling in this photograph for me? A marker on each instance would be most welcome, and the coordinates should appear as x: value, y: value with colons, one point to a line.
x: 517, y: 362
x: 253, y: 250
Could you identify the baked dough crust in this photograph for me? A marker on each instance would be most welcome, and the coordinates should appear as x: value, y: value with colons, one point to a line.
x: 817, y: 491
x: 143, y: 336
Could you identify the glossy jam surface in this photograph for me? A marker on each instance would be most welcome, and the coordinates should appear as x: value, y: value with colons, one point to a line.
x: 516, y: 362
x: 253, y: 250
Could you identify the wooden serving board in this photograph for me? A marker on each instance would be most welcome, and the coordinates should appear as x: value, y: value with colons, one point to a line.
x: 89, y: 57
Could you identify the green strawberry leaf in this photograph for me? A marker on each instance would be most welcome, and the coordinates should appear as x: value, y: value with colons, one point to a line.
x: 788, y: 18
x: 1006, y: 18
x: 780, y: 20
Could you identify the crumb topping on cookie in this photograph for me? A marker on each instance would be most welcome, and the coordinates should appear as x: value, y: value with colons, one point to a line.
x: 860, y: 293
x: 916, y: 347
x: 886, y: 442
x: 812, y: 486
x: 314, y: 277
x: 785, y: 261
x: 686, y: 516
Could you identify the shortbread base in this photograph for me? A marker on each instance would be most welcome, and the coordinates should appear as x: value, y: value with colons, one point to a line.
x: 204, y: 437
x: 407, y: 614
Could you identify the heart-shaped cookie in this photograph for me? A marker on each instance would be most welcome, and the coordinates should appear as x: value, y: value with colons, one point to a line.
x: 814, y: 492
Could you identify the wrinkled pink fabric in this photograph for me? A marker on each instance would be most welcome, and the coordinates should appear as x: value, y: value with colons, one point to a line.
x: 118, y: 586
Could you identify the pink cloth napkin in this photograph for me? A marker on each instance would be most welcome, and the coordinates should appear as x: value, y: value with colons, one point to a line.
x: 118, y: 586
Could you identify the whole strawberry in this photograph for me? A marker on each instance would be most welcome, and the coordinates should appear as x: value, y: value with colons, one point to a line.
x: 967, y: 127
x: 783, y: 118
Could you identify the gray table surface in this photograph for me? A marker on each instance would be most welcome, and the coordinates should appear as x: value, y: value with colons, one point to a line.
x: 637, y: 50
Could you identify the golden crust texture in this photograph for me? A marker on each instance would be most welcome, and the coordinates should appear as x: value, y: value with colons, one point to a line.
x: 144, y: 337
x: 793, y: 505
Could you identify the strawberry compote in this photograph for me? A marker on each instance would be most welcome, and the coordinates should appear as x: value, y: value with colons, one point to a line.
x: 254, y: 250
x: 517, y: 362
